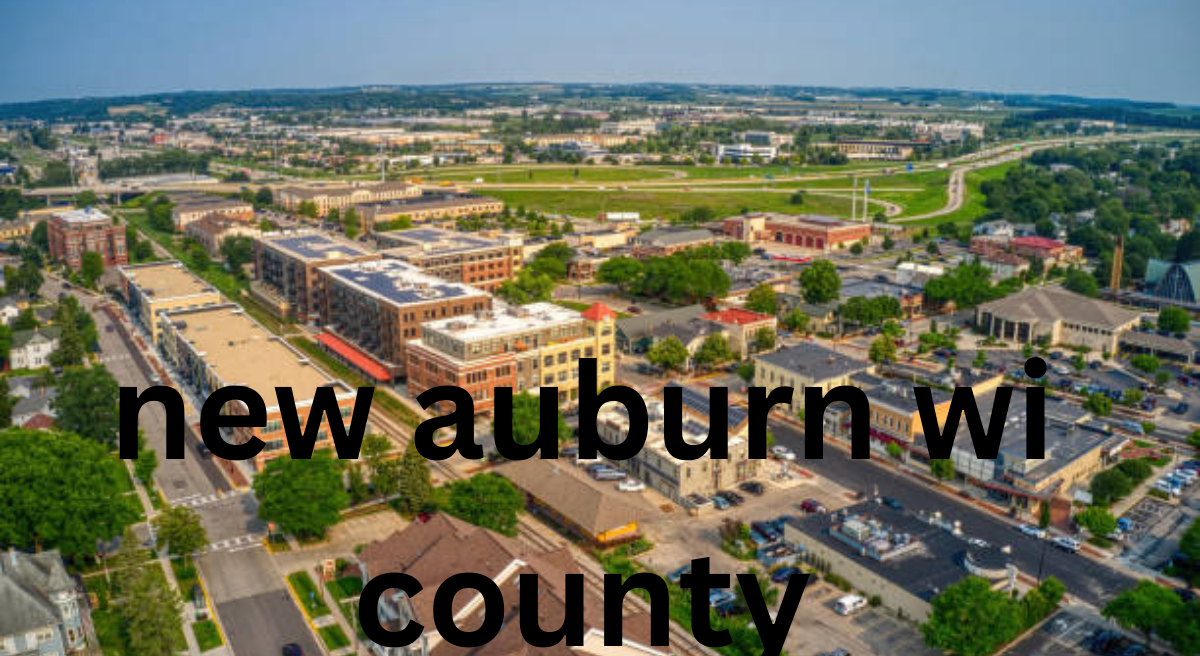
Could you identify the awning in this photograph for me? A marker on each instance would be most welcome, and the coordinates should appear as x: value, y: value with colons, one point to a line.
x: 354, y: 356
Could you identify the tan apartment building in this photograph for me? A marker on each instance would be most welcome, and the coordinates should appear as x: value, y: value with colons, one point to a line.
x: 683, y: 480
x: 806, y: 364
x: 328, y: 197
x: 186, y: 208
x: 216, y: 346
x: 151, y: 289
x: 483, y: 262
x: 525, y: 347
x: 285, y: 265
x: 212, y: 230
x: 432, y: 206
x: 379, y: 307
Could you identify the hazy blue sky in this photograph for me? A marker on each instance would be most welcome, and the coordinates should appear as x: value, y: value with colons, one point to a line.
x: 1141, y: 49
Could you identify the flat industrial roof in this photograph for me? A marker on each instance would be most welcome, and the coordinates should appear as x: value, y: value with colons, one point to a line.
x: 435, y: 241
x: 242, y: 352
x: 85, y: 215
x: 504, y: 320
x: 165, y: 280
x: 311, y: 245
x: 398, y: 283
x: 814, y: 361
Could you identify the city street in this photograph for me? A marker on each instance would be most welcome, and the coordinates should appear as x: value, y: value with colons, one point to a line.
x: 1085, y: 579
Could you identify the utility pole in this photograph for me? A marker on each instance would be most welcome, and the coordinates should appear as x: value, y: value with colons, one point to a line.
x: 854, y: 200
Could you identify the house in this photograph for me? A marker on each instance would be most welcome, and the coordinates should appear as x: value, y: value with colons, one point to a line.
x: 31, y: 349
x: 9, y: 310
x: 33, y: 398
x: 41, y: 613
x: 638, y: 333
x: 742, y: 326
x: 434, y: 550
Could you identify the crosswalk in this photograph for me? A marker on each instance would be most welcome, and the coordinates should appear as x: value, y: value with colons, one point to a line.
x: 239, y: 543
x: 200, y: 500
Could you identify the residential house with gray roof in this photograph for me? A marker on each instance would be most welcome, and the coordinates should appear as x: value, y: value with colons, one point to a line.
x: 41, y: 613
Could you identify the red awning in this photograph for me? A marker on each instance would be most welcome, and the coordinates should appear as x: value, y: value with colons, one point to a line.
x: 354, y: 356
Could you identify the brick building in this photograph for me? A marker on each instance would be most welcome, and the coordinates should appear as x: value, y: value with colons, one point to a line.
x: 523, y: 347
x: 328, y: 197
x: 285, y: 265
x: 821, y: 233
x: 430, y: 207
x: 187, y: 208
x: 455, y: 256
x: 72, y: 233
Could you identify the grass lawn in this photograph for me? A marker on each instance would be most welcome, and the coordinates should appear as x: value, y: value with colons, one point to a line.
x: 345, y: 587
x: 670, y: 204
x: 185, y: 576
x: 550, y: 174
x: 334, y: 637
x: 580, y: 307
x: 207, y: 635
x: 973, y: 206
x: 727, y: 172
x: 306, y: 592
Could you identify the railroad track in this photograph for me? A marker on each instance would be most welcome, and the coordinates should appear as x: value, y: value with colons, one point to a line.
x: 531, y: 532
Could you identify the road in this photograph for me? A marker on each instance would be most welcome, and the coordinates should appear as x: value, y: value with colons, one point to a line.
x: 247, y: 590
x: 1087, y: 580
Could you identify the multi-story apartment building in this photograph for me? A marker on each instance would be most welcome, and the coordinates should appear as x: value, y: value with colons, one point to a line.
x: 524, y: 347
x: 219, y: 345
x: 212, y: 230
x: 41, y: 609
x: 325, y: 198
x: 72, y: 233
x: 430, y: 207
x: 380, y: 306
x: 285, y: 266
x: 455, y: 256
x: 822, y: 233
x: 187, y: 208
x: 680, y: 479
x: 163, y: 286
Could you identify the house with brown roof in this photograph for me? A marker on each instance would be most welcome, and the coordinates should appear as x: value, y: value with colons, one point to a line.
x: 434, y: 550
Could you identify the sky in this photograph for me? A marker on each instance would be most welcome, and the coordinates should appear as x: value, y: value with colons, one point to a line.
x: 1138, y: 49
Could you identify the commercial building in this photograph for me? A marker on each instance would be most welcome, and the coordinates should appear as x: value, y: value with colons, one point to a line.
x: 1056, y: 317
x: 325, y: 198
x: 744, y: 152
x: 285, y: 266
x: 42, y: 611
x: 806, y: 364
x: 821, y: 233
x: 1051, y: 252
x: 679, y: 479
x: 524, y: 347
x: 429, y: 207
x: 894, y: 416
x: 483, y: 262
x: 212, y: 230
x: 380, y: 306
x: 1175, y: 282
x: 638, y: 333
x: 186, y: 208
x: 904, y: 559
x: 879, y: 149
x: 434, y: 550
x: 742, y: 327
x: 661, y: 242
x: 150, y: 289
x: 216, y: 346
x: 594, y: 511
x: 71, y: 233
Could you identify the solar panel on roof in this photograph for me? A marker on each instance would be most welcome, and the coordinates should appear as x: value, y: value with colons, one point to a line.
x: 700, y: 404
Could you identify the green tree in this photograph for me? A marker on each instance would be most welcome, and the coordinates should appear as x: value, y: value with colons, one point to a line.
x: 1146, y: 363
x: 526, y: 420
x: 151, y: 612
x: 942, y: 468
x: 888, y: 243
x: 376, y: 454
x: 1098, y: 404
x: 764, y: 339
x: 796, y: 321
x: 856, y: 249
x: 65, y: 493
x: 416, y: 484
x: 86, y: 404
x: 40, y: 236
x: 1081, y: 282
x: 713, y: 350
x: 1148, y: 608
x: 308, y: 209
x: 302, y: 497
x: 971, y: 619
x: 1097, y: 520
x: 486, y: 500
x: 263, y: 197
x: 883, y: 349
x: 351, y: 223
x: 91, y: 268
x: 820, y: 282
x: 1174, y: 319
x: 622, y: 272
x: 1109, y: 486
x: 767, y: 592
x: 735, y: 251
x: 180, y: 528
x: 669, y: 353
x: 762, y: 299
x: 237, y: 252
x: 745, y: 371
x: 527, y: 287
x: 26, y: 320
x: 894, y: 450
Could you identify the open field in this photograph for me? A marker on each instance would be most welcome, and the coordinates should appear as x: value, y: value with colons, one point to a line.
x: 670, y: 204
x: 561, y: 174
x: 973, y: 205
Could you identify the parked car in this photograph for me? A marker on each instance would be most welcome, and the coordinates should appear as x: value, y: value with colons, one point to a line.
x: 783, y: 575
x: 732, y: 497
x: 720, y: 596
x: 1070, y: 545
x: 891, y: 503
x: 782, y: 453
x: 849, y: 604
x: 699, y: 501
x: 606, y: 474
x: 976, y: 542
x: 812, y: 506
x: 751, y: 487
x: 674, y: 576
x: 1032, y: 531
x: 729, y: 609
x: 292, y: 650
x: 720, y: 503
x: 631, y: 485
x: 1180, y: 408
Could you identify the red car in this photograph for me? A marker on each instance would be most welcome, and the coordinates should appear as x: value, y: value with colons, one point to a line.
x: 812, y: 506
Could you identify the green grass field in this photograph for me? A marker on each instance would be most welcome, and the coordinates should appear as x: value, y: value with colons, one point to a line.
x: 334, y: 637
x: 306, y: 593
x: 207, y: 635
x: 973, y: 207
x: 670, y: 204
x: 560, y: 174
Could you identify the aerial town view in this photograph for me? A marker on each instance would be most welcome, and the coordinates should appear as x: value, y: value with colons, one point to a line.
x: 548, y: 201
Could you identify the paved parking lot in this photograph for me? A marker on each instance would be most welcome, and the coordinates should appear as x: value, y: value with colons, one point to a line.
x: 1065, y: 634
x: 817, y: 629
x: 1158, y: 528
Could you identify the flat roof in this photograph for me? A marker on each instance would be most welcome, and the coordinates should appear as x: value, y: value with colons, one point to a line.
x: 242, y: 352
x: 312, y: 245
x: 814, y: 361
x: 435, y: 241
x: 85, y: 215
x: 166, y: 280
x: 503, y: 319
x: 905, y: 549
x: 398, y: 283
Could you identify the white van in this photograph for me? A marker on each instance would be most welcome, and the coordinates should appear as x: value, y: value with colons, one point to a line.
x: 849, y: 604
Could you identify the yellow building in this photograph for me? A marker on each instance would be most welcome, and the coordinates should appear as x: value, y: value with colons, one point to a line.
x: 151, y: 289
x: 806, y: 364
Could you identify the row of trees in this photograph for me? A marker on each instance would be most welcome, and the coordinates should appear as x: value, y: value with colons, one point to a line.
x: 971, y: 619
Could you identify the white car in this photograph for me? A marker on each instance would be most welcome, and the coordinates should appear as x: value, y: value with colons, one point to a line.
x: 976, y: 542
x: 1032, y: 531
x: 783, y: 453
x: 631, y: 485
x: 1067, y: 544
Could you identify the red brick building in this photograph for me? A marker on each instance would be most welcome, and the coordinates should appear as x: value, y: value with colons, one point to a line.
x: 1052, y: 252
x: 72, y: 233
x: 822, y: 233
